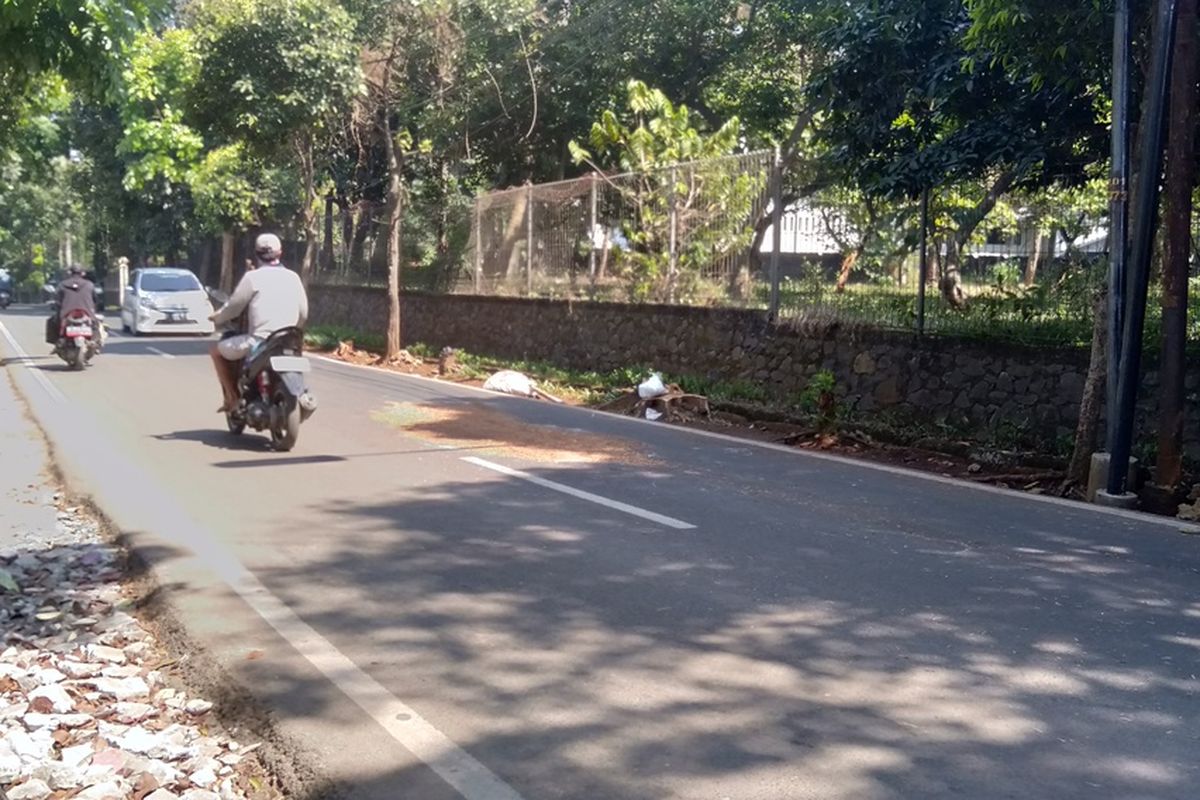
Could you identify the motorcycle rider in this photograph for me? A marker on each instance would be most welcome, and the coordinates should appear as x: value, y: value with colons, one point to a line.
x: 272, y: 297
x: 74, y: 293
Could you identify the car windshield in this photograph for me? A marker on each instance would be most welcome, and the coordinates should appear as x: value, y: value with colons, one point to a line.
x: 178, y: 282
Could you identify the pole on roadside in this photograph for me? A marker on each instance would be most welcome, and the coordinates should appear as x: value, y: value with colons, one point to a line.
x: 776, y: 233
x: 592, y: 216
x: 1119, y: 208
x: 478, y: 222
x: 1137, y: 283
x: 529, y: 240
x: 1180, y: 181
x: 923, y: 269
x: 122, y: 280
x: 673, y: 238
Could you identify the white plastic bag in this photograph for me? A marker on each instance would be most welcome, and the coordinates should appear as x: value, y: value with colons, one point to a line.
x: 652, y: 387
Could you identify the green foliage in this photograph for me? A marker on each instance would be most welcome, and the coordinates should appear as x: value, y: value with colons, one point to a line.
x: 228, y: 189
x: 705, y: 202
x: 905, y: 102
x: 657, y: 133
x: 163, y: 149
x: 37, y: 201
x: 1056, y: 42
x: 272, y: 69
x: 816, y: 394
x: 160, y: 145
x: 79, y: 41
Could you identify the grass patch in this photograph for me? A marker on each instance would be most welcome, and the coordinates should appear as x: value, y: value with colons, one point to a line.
x: 327, y: 337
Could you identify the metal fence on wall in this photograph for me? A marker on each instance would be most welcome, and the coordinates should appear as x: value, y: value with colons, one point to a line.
x: 703, y: 233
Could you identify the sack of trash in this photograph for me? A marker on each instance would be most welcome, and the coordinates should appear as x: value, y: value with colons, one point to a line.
x: 516, y: 383
x: 652, y: 387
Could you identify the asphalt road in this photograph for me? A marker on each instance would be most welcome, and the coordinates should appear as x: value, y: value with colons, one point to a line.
x: 597, y: 608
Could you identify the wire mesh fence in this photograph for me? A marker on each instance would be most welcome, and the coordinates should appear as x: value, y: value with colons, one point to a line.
x: 1013, y: 278
x: 434, y: 243
x: 680, y: 234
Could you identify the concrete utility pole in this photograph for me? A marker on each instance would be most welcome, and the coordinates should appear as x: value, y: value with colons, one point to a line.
x: 1181, y: 179
x: 1141, y: 249
x: 1119, y: 192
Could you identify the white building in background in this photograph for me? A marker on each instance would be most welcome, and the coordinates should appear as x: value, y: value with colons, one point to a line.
x: 806, y: 232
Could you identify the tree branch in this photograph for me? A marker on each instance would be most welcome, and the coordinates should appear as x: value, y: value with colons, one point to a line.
x: 532, y: 84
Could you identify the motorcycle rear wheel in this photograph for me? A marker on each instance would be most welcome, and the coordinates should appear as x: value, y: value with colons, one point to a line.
x: 236, y: 425
x: 285, y: 434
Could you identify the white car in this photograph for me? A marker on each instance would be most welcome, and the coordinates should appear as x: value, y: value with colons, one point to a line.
x: 166, y: 301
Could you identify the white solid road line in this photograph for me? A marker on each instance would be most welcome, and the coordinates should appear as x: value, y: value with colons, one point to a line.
x: 158, y: 352
x: 37, y: 374
x: 464, y: 773
x: 616, y: 505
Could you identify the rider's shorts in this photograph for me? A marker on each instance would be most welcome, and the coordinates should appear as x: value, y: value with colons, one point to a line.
x: 236, y: 348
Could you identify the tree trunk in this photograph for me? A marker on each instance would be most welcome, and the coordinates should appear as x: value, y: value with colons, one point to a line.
x: 394, y: 251
x: 848, y: 261
x: 348, y: 229
x: 1034, y: 263
x: 514, y: 233
x: 363, y: 217
x: 1181, y: 178
x: 951, y: 281
x: 1093, y: 395
x: 206, y: 261
x: 227, y: 241
x: 327, y: 249
x: 311, y: 232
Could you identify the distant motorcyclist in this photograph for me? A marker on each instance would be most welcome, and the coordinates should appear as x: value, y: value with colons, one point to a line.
x: 272, y: 298
x: 74, y: 293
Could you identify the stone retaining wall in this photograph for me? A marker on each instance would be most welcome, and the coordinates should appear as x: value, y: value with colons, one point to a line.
x: 971, y: 386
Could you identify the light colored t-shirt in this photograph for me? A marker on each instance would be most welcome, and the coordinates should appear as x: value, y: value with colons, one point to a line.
x: 274, y: 298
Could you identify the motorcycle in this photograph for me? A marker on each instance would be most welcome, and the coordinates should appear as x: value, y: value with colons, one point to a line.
x: 273, y: 394
x: 78, y: 341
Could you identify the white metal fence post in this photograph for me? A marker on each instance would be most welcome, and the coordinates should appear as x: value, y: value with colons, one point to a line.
x: 529, y: 239
x: 776, y: 233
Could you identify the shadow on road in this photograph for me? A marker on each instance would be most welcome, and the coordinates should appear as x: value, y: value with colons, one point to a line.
x: 281, y: 461
x: 219, y: 439
x: 604, y: 657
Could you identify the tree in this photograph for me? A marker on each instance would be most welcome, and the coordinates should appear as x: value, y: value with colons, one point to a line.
x: 233, y: 191
x: 703, y: 202
x: 79, y: 42
x: 275, y: 75
x: 38, y: 209
x: 903, y: 103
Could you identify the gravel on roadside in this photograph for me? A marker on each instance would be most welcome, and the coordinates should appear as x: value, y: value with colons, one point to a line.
x: 90, y: 706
